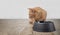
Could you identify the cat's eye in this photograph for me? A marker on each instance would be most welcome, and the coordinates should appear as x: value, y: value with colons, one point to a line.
x: 31, y: 15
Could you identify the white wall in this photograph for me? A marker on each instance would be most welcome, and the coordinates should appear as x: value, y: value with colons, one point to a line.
x: 17, y: 9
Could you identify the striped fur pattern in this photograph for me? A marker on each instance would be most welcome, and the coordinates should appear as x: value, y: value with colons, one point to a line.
x: 37, y: 14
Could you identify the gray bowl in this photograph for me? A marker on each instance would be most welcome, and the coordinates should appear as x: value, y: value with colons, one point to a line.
x: 41, y: 26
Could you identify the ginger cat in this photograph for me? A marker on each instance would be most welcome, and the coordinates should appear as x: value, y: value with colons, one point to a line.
x: 37, y: 14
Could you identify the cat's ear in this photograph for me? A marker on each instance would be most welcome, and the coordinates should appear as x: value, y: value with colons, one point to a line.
x: 32, y: 10
x: 29, y: 8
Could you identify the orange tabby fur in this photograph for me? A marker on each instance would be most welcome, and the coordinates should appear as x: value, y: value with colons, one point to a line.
x: 37, y: 14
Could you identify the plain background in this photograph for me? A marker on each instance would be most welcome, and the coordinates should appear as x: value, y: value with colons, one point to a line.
x: 18, y: 9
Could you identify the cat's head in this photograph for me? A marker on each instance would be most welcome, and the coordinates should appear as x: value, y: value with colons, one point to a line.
x: 31, y: 10
x: 34, y: 11
x: 31, y: 13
